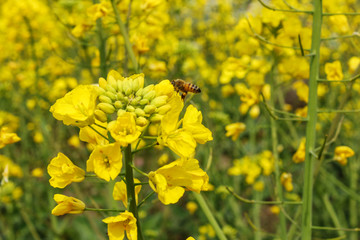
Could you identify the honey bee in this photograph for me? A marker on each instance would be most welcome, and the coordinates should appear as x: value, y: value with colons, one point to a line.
x: 184, y: 87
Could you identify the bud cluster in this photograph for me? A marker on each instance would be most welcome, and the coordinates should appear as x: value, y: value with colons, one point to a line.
x: 119, y: 95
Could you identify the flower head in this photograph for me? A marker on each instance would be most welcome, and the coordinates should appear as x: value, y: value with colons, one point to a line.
x: 117, y: 226
x: 342, y: 153
x: 7, y: 137
x: 63, y: 171
x: 171, y: 180
x: 124, y: 129
x: 286, y: 181
x: 120, y: 191
x: 77, y: 106
x: 334, y: 71
x: 299, y: 155
x: 233, y: 130
x: 105, y: 161
x: 67, y: 205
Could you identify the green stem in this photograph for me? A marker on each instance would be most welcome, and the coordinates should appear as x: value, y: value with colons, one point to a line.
x: 256, y: 211
x: 330, y: 209
x: 130, y: 188
x: 353, y: 168
x: 126, y: 37
x: 28, y: 222
x: 306, y: 222
x: 103, y: 210
x: 206, y: 210
x: 102, y: 48
x: 274, y: 141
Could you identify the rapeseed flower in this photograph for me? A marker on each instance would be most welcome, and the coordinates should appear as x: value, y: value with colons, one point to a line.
x: 334, y: 71
x: 63, y: 172
x: 124, y: 129
x: 120, y: 191
x: 77, y: 106
x: 171, y: 180
x: 67, y: 205
x: 299, y: 155
x: 117, y: 226
x: 286, y: 181
x: 233, y: 130
x: 183, y: 140
x: 342, y: 153
x: 105, y: 161
x: 7, y: 137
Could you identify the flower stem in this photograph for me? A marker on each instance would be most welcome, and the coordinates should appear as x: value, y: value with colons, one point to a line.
x: 206, y: 210
x: 306, y: 222
x: 130, y: 188
x: 125, y: 36
x: 103, y: 210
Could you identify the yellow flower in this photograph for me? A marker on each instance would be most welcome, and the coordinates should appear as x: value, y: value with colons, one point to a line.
x: 63, y: 171
x: 333, y: 71
x: 353, y: 64
x: 105, y: 161
x: 124, y: 129
x: 37, y: 172
x: 74, y: 141
x: 120, y: 191
x: 191, y: 207
x: 275, y: 210
x: 88, y: 135
x: 286, y: 181
x: 342, y: 153
x: 183, y: 140
x: 7, y: 137
x: 233, y: 130
x: 171, y: 181
x: 67, y: 205
x: 124, y: 222
x: 299, y: 155
x: 98, y: 10
x: 190, y: 238
x: 38, y: 137
x: 77, y: 106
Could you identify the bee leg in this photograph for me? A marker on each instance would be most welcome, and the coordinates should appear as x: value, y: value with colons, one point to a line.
x: 183, y: 95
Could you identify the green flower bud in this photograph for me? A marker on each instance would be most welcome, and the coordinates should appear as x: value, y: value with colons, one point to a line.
x: 163, y: 109
x: 139, y: 92
x: 120, y: 95
x: 149, y: 109
x: 139, y: 112
x: 102, y: 83
x: 100, y: 90
x: 130, y: 108
x: 127, y: 87
x: 110, y: 89
x: 118, y: 104
x: 144, y: 101
x: 106, y: 107
x: 141, y: 121
x: 135, y: 101
x: 150, y: 95
x: 111, y: 95
x: 147, y: 89
x: 112, y: 82
x: 100, y: 115
x: 125, y: 100
x: 120, y: 85
x: 159, y: 101
x: 135, y: 84
x: 105, y: 99
x: 120, y: 112
x: 156, y: 118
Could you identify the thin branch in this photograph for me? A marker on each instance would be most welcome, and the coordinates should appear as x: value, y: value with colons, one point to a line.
x: 250, y: 201
x: 261, y: 38
x: 355, y: 34
x: 284, y: 10
x: 343, y: 80
x: 336, y: 229
x: 348, y: 14
x: 338, y: 111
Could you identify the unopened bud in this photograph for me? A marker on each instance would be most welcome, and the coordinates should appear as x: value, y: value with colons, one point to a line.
x: 144, y: 101
x: 159, y: 101
x: 147, y: 89
x: 149, y: 109
x: 105, y: 99
x: 120, y: 85
x: 112, y: 82
x: 163, y: 109
x: 135, y: 101
x: 156, y: 118
x: 106, y: 107
x: 139, y: 112
x: 127, y: 87
x: 111, y: 95
x: 139, y: 92
x: 100, y: 115
x: 102, y: 83
x: 141, y: 121
x: 120, y: 96
x: 150, y: 95
x: 120, y: 112
x: 130, y: 108
x: 118, y: 104
x: 110, y: 89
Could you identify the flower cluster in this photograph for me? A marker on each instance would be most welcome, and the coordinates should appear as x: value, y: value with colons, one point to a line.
x: 113, y: 117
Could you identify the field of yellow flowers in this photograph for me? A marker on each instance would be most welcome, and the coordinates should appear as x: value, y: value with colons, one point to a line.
x: 179, y: 120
